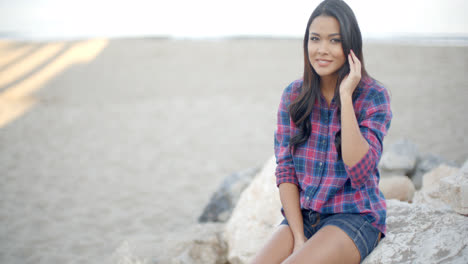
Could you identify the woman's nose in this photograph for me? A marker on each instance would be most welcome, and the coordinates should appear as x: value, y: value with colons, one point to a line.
x: 322, y: 48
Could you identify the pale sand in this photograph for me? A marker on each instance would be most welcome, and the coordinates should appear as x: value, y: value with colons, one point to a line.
x: 130, y: 146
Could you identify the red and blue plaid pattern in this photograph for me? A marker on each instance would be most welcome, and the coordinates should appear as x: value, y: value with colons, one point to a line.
x: 326, y: 184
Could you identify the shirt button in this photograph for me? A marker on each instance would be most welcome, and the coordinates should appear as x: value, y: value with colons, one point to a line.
x: 320, y: 163
x: 323, y: 141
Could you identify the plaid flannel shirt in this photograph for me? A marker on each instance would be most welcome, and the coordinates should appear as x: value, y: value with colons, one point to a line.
x: 326, y: 184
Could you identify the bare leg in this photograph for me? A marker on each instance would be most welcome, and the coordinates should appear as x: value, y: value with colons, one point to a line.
x: 277, y: 249
x: 329, y: 245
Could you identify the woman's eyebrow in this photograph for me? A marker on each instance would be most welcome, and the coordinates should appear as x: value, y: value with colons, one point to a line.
x: 330, y: 35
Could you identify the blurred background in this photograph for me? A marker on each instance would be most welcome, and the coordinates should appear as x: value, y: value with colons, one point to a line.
x: 119, y: 119
x: 55, y: 19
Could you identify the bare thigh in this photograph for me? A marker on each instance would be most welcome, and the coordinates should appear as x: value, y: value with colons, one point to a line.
x: 277, y: 249
x: 329, y: 245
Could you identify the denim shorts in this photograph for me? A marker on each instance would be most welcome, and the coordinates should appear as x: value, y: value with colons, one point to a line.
x: 364, y: 234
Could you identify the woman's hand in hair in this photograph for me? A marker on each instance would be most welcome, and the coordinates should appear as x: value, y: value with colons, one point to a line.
x: 350, y: 81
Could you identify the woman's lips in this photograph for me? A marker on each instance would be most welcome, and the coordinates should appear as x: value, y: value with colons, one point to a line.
x: 323, y: 63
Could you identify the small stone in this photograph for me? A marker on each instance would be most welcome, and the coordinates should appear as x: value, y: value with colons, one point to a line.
x: 430, y: 192
x: 426, y: 163
x: 397, y: 187
x: 454, y: 191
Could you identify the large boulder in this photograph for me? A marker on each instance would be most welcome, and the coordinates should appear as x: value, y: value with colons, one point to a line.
x: 254, y: 218
x: 420, y: 233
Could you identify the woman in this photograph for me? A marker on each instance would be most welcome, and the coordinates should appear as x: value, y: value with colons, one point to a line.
x: 328, y: 142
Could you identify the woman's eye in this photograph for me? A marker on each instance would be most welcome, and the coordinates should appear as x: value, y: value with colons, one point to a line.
x: 335, y: 40
x: 314, y: 38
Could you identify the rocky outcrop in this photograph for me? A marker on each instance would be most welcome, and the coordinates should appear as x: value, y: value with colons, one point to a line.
x: 222, y: 202
x: 432, y: 229
x: 416, y: 233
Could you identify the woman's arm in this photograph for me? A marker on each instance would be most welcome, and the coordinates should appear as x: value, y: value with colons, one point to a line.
x: 286, y: 178
x: 289, y: 195
x: 361, y: 143
x: 353, y: 145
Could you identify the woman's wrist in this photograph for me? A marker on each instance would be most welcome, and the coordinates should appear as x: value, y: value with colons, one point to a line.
x: 299, y: 236
x: 297, y: 227
x: 344, y: 95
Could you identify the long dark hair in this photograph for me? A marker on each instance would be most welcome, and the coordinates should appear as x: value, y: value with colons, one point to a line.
x: 301, y: 108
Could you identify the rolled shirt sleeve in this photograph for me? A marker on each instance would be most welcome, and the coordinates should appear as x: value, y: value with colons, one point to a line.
x: 285, y: 171
x: 374, y: 126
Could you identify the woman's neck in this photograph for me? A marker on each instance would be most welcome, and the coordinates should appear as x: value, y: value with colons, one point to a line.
x: 328, y: 85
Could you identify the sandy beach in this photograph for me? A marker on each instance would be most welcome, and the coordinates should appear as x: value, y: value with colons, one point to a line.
x: 108, y: 143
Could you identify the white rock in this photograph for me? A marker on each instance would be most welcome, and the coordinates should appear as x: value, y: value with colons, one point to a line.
x: 431, y: 180
x: 454, y: 191
x: 430, y: 192
x: 254, y: 218
x: 397, y: 187
x: 419, y: 233
x: 425, y: 164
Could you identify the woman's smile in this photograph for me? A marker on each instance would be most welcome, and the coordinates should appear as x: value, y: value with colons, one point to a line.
x: 323, y: 62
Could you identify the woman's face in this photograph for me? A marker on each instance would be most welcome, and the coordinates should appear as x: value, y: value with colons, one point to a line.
x: 325, y: 51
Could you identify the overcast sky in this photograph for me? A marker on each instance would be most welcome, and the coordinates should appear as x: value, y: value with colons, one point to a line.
x: 59, y: 19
